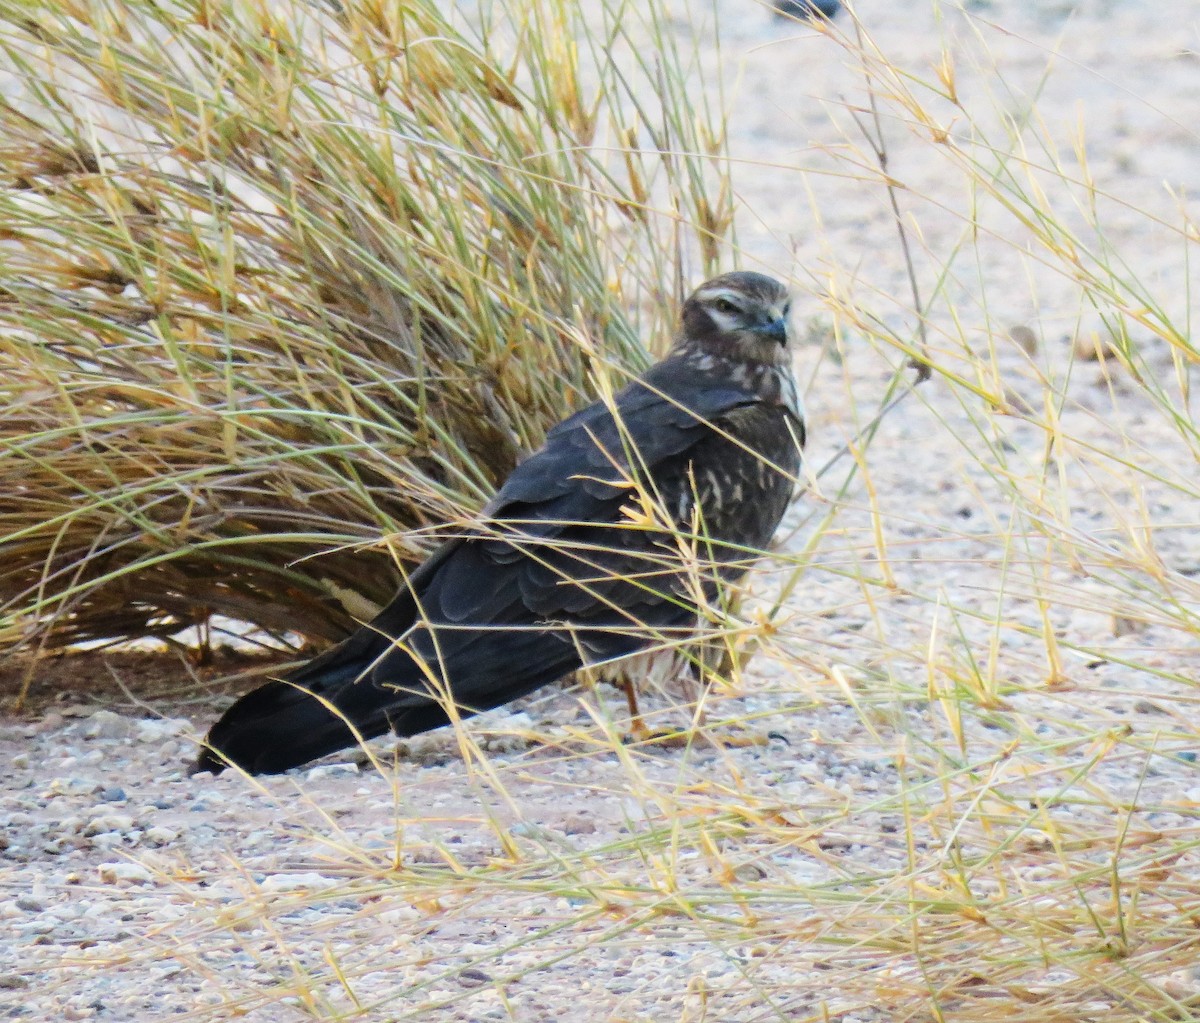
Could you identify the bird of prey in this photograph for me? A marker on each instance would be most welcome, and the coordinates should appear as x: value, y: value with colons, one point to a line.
x: 587, y: 554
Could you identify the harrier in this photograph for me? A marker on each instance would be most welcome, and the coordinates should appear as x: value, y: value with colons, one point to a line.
x: 605, y: 542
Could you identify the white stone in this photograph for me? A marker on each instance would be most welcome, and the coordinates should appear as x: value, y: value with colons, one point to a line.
x: 161, y: 835
x: 129, y: 873
x: 150, y: 729
x: 330, y: 771
x: 104, y: 724
x: 309, y: 881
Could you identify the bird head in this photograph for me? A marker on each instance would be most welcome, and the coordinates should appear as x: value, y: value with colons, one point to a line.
x: 742, y: 315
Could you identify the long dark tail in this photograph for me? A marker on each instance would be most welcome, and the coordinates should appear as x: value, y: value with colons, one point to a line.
x: 370, y: 684
x: 367, y: 685
x: 306, y: 715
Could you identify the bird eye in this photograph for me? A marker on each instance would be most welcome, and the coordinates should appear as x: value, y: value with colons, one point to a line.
x: 723, y: 305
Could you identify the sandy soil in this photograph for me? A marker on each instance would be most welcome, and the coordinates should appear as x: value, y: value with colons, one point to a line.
x: 209, y: 898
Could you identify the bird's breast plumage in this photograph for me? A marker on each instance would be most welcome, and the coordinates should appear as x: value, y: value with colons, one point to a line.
x: 739, y: 479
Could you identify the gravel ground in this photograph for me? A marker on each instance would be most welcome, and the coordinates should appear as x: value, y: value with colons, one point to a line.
x: 209, y: 889
x: 534, y: 882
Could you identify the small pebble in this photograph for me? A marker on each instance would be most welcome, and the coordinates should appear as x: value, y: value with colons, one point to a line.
x: 130, y: 873
x: 108, y: 822
x: 151, y: 729
x: 330, y: 771
x: 1092, y: 348
x: 308, y: 881
x: 114, y: 795
x: 1024, y: 338
x: 471, y: 977
x: 1184, y: 984
x: 578, y: 824
x: 36, y: 927
x: 104, y: 724
x: 161, y: 836
x: 398, y: 916
x: 52, y: 722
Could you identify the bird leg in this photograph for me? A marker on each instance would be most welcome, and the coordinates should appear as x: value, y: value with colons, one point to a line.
x: 710, y: 663
x: 638, y: 732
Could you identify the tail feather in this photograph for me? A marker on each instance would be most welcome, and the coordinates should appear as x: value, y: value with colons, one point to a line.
x: 338, y: 699
x: 305, y: 715
x: 289, y: 721
x: 367, y: 684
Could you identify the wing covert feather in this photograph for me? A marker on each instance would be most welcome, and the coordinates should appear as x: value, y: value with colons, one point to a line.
x: 569, y: 553
x: 589, y: 456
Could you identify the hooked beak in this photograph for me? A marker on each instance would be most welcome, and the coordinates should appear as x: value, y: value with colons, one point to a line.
x: 775, y: 331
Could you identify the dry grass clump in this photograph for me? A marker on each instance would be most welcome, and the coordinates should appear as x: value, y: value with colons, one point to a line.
x: 279, y: 278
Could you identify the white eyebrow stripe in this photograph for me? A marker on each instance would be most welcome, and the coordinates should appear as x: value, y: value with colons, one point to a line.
x: 728, y: 294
